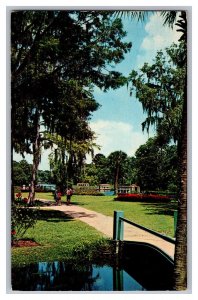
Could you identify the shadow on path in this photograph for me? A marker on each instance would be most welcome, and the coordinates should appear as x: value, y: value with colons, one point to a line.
x: 75, y: 214
x: 53, y: 216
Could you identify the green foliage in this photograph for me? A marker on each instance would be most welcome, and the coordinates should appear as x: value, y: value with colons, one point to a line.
x: 17, y: 189
x: 59, y: 237
x: 21, y: 173
x: 156, y: 166
x: 44, y: 176
x: 56, y: 57
x: 116, y: 164
x: 22, y: 218
x: 159, y: 87
x: 87, y: 191
x: 100, y: 168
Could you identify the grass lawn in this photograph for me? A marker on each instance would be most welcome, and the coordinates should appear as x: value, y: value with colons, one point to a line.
x: 60, y: 237
x: 156, y: 216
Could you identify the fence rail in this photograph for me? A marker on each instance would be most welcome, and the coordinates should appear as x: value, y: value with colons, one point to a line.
x: 118, y: 228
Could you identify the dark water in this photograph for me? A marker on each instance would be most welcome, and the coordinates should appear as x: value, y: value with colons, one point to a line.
x: 60, y: 276
x: 141, y: 268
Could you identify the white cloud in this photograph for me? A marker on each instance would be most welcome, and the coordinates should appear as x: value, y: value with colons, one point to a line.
x: 114, y: 136
x: 158, y: 37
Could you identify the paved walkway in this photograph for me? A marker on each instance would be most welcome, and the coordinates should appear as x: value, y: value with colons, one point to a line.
x: 104, y: 224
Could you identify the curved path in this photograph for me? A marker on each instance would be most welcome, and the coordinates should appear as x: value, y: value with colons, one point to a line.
x: 104, y: 224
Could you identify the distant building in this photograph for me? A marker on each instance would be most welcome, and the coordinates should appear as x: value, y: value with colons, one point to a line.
x: 127, y: 189
x: 104, y: 187
x: 82, y: 184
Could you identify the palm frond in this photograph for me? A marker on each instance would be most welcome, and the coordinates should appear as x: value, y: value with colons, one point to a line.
x: 169, y: 17
x: 140, y: 15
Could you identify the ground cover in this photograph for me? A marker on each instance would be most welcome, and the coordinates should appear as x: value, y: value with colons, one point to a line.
x: 156, y: 216
x: 59, y: 237
x: 143, y: 197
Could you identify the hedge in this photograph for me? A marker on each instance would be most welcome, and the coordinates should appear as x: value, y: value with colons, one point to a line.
x: 142, y: 197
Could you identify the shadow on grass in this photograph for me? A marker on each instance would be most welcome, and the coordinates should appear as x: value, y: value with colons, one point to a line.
x: 160, y: 208
x: 53, y: 216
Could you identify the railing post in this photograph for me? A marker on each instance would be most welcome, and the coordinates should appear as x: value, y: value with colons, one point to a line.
x: 118, y: 226
x: 175, y: 221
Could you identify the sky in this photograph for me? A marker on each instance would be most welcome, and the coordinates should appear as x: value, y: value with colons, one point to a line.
x: 117, y: 123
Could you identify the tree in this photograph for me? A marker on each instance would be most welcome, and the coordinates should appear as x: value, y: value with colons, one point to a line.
x: 156, y: 166
x: 116, y: 162
x: 101, y: 164
x: 21, y: 173
x: 45, y: 176
x: 67, y: 159
x: 180, y: 269
x: 57, y: 56
x: 159, y: 87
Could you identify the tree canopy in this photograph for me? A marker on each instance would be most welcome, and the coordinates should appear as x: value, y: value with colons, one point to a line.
x: 159, y: 87
x: 56, y: 58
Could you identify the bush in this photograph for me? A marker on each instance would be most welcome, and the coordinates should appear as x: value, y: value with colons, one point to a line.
x: 87, y: 191
x: 17, y: 189
x: 22, y: 218
x: 142, y: 197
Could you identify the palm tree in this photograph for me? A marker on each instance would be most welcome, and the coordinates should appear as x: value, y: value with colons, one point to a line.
x: 180, y: 269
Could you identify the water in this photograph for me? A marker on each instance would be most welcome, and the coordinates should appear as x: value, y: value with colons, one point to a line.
x: 141, y: 268
x: 109, y: 193
x: 60, y: 276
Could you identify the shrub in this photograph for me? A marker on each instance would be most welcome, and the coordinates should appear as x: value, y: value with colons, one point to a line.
x: 87, y: 191
x: 17, y: 189
x: 22, y: 218
x: 142, y: 197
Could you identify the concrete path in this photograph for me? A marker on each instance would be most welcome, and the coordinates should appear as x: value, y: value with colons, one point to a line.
x: 104, y: 224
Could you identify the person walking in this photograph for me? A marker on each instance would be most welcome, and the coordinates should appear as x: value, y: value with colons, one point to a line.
x: 57, y: 197
x: 69, y: 193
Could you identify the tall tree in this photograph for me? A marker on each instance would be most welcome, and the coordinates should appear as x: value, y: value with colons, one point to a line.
x: 57, y: 56
x: 116, y: 163
x: 180, y: 269
x: 101, y: 163
x: 21, y: 173
x: 156, y: 166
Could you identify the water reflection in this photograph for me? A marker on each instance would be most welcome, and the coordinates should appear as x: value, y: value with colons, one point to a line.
x: 140, y: 267
x: 61, y: 276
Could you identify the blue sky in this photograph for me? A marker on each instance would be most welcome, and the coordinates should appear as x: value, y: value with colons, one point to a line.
x: 117, y: 123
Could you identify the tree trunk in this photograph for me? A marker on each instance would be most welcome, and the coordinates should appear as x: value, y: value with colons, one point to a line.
x: 116, y: 179
x: 36, y: 160
x: 180, y: 269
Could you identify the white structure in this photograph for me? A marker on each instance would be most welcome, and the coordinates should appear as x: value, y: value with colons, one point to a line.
x: 128, y: 189
x: 103, y: 187
x: 82, y: 184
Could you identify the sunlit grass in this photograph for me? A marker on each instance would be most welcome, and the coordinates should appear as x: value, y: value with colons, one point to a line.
x: 58, y: 237
x: 156, y: 216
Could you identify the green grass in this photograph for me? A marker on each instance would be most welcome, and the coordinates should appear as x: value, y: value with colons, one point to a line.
x: 59, y: 236
x: 156, y: 216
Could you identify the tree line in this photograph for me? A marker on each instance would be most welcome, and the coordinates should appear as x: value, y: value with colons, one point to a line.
x: 152, y: 168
